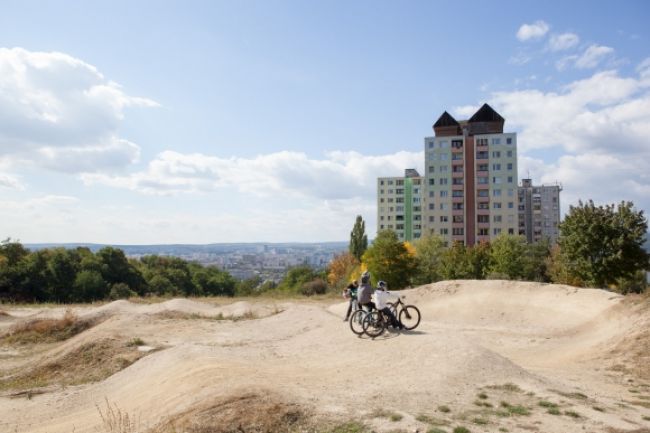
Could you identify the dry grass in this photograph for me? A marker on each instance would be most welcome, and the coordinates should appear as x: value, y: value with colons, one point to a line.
x: 3, y: 313
x: 47, y: 330
x: 248, y: 412
x: 90, y: 362
x: 116, y: 421
x: 179, y: 315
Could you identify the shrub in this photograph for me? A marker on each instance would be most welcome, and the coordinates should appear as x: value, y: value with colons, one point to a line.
x: 314, y: 287
x: 120, y: 291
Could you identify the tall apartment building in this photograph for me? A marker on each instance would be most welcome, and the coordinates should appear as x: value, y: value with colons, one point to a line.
x: 539, y: 211
x: 471, y: 178
x: 399, y: 204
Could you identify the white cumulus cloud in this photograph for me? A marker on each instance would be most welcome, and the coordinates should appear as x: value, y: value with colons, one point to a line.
x: 60, y: 112
x: 535, y: 30
x: 592, y: 56
x: 563, y: 41
x: 340, y: 175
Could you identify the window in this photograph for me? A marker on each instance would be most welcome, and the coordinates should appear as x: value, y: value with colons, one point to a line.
x: 389, y: 217
x: 496, y: 193
x: 416, y: 199
x: 431, y: 193
x: 431, y: 144
x: 497, y: 218
x: 417, y: 208
x: 510, y: 205
x: 457, y: 169
x: 432, y: 181
x: 496, y: 180
x: 432, y: 206
x: 399, y: 182
x: 390, y: 182
x: 458, y: 231
x: 443, y: 168
x: 496, y: 205
x: 457, y: 193
x: 496, y: 154
x: 484, y: 205
x: 444, y: 231
x: 443, y: 181
x: 511, y: 192
x: 509, y: 154
x: 431, y: 169
x: 483, y: 232
x: 381, y: 191
x: 381, y: 182
x: 482, y: 180
x: 397, y: 200
x: 483, y: 218
x: 509, y: 140
x: 457, y: 206
x: 444, y: 219
x: 483, y: 193
x: 457, y: 219
x: 431, y: 156
x: 399, y: 191
x: 443, y: 144
x: 510, y: 166
x: 398, y: 208
x: 444, y: 206
x: 417, y: 217
x: 496, y: 167
x: 381, y: 226
x: 482, y: 167
x: 496, y: 141
x: 457, y: 144
x: 509, y: 179
x: 482, y: 155
x: 496, y: 231
x: 457, y: 181
x: 399, y: 217
x: 511, y: 231
x: 381, y: 200
x: 456, y: 156
x: 399, y: 226
x: 444, y: 157
x: 482, y: 142
x: 432, y: 218
x: 444, y: 193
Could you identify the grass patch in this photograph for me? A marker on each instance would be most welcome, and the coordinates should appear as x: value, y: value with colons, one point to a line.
x: 3, y: 313
x: 47, y: 330
x: 348, y: 427
x: 554, y: 411
x: 547, y: 404
x: 508, y: 387
x: 515, y: 409
x: 646, y: 418
x: 444, y: 409
x: 573, y: 395
x: 598, y: 408
x: 503, y: 429
x: 645, y: 404
x: 482, y: 396
x: 461, y: 429
x: 383, y: 413
x: 135, y: 342
x: 116, y: 421
x: 572, y: 414
x: 427, y: 419
x: 90, y: 362
x: 502, y: 413
x: 483, y: 403
x: 436, y: 430
x: 633, y: 391
x: 179, y: 315
x: 480, y: 421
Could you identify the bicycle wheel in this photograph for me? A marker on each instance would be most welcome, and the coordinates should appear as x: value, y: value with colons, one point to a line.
x: 374, y: 324
x: 409, y: 317
x: 356, y: 321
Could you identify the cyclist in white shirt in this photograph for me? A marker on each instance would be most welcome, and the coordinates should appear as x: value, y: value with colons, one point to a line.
x: 381, y: 300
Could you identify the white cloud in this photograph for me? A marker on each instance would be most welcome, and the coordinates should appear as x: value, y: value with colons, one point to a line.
x: 340, y: 175
x: 59, y: 112
x: 535, y: 30
x: 599, y: 125
x: 8, y: 181
x: 563, y: 41
x: 592, y: 56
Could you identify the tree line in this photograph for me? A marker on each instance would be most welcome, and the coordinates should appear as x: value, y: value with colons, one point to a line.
x: 78, y: 275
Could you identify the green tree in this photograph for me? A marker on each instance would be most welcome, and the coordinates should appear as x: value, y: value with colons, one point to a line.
x: 456, y: 264
x: 358, y: 238
x: 389, y: 260
x: 603, y: 245
x: 428, y: 254
x: 478, y: 258
x: 507, y: 258
x: 88, y: 286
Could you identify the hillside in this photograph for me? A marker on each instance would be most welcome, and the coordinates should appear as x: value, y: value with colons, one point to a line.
x: 489, y: 355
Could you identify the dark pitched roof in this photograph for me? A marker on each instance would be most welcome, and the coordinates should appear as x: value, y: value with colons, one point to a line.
x: 445, y: 120
x: 486, y: 114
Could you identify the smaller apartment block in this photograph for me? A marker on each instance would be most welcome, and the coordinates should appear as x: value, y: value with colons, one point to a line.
x: 399, y: 204
x: 539, y: 211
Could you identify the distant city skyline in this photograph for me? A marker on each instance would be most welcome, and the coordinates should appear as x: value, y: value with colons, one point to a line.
x: 215, y: 122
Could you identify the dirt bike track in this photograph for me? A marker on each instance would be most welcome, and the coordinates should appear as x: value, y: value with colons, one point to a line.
x: 516, y: 343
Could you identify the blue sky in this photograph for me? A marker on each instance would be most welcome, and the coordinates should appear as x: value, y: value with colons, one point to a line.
x: 197, y: 122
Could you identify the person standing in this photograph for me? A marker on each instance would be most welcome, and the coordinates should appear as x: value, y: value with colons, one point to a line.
x: 351, y: 293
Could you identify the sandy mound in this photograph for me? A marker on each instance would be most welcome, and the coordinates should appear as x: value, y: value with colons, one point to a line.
x: 495, y: 354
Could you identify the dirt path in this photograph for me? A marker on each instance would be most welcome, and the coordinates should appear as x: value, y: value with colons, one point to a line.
x: 500, y: 344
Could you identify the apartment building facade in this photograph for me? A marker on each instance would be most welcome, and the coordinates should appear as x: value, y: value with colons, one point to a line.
x: 399, y: 204
x: 539, y: 211
x: 471, y: 178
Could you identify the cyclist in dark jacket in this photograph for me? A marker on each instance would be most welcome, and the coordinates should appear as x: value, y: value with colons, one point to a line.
x: 351, y: 293
x: 364, y: 294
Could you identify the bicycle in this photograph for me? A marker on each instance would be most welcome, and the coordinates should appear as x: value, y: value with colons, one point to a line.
x: 408, y: 315
x: 356, y: 321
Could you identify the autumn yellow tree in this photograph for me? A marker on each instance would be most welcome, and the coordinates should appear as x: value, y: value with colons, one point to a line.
x: 340, y: 269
